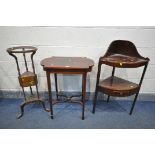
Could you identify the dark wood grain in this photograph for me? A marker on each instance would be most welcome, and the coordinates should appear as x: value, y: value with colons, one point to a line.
x: 123, y: 61
x: 67, y: 65
x: 115, y: 86
x: 121, y: 54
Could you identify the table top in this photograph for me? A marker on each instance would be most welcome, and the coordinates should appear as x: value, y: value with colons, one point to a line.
x: 67, y: 63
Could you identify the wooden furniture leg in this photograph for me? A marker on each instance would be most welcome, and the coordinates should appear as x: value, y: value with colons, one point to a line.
x: 56, y: 86
x: 49, y: 92
x: 133, y: 104
x: 84, y: 76
x: 140, y: 83
x: 113, y: 72
x: 96, y: 89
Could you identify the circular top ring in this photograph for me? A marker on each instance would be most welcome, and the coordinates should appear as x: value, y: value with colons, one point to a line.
x: 22, y: 49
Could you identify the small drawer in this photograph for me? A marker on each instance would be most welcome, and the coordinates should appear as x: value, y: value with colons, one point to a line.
x: 28, y: 81
x: 117, y: 92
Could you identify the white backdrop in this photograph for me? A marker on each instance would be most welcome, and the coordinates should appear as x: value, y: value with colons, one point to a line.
x: 91, y: 42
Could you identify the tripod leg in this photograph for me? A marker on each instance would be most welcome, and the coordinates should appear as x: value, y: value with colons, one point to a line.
x: 22, y: 110
x: 44, y: 107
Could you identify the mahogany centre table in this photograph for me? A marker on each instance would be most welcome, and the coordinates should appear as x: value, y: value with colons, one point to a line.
x: 67, y: 65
